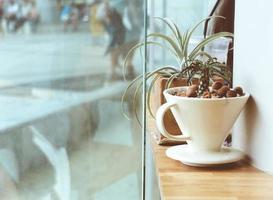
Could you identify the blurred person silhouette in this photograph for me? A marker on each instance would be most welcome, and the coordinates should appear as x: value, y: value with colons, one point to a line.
x: 82, y: 10
x: 11, y: 14
x: 28, y: 14
x: 123, y: 34
x: 1, y: 9
x: 1, y: 14
x: 70, y: 15
x: 134, y: 23
x: 74, y: 16
x: 96, y: 27
x: 34, y: 16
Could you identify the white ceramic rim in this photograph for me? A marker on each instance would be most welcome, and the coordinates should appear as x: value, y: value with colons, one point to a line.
x: 166, y: 93
x: 237, y: 156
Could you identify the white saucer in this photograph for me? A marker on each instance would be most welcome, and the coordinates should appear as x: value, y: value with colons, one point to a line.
x: 183, y: 154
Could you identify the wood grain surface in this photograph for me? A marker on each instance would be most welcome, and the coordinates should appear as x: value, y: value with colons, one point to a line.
x: 238, y: 181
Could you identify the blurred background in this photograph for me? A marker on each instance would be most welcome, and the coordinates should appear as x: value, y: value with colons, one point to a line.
x: 62, y: 131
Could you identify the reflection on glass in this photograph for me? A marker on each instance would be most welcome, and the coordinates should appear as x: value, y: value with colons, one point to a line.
x: 62, y: 132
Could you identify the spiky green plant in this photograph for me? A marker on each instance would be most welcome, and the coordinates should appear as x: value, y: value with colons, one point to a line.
x: 206, y: 69
x: 190, y: 64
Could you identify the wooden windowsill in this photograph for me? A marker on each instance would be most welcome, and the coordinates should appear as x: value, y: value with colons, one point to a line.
x: 238, y: 181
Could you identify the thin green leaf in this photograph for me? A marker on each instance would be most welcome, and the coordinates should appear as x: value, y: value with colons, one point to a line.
x: 179, y: 35
x: 202, y: 21
x: 227, y: 74
x: 169, y: 24
x: 135, y: 102
x: 149, y: 92
x: 221, y: 75
x: 173, y: 27
x: 222, y: 70
x: 140, y: 45
x: 185, y: 45
x: 198, y: 24
x: 125, y: 94
x: 191, y: 76
x: 190, y: 33
x: 158, y: 70
x: 203, y: 53
x: 207, y: 40
x: 170, y: 80
x: 148, y: 75
x: 169, y: 40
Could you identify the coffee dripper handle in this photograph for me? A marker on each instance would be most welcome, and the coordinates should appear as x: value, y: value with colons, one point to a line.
x: 160, y: 123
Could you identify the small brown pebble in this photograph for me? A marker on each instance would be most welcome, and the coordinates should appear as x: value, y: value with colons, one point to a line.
x: 192, y: 91
x: 223, y: 91
x: 207, y: 95
x: 239, y: 91
x: 217, y: 85
x: 194, y: 87
x: 231, y: 93
x: 214, y: 94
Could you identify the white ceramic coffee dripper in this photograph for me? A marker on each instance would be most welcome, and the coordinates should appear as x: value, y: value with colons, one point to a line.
x: 205, y: 123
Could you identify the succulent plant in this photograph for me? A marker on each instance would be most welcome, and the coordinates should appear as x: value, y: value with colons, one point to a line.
x: 191, y: 64
x: 205, y: 70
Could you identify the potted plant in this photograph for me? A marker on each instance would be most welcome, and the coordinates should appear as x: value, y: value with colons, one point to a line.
x: 187, y: 72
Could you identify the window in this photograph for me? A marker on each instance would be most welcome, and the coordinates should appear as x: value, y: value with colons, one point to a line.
x: 63, y: 134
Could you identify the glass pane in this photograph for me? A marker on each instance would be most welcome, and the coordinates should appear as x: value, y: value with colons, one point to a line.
x: 63, y: 133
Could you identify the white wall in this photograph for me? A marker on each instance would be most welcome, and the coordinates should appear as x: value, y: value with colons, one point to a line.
x: 253, y: 69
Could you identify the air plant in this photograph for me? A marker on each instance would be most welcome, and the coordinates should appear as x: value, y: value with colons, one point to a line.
x: 191, y: 64
x: 205, y: 70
